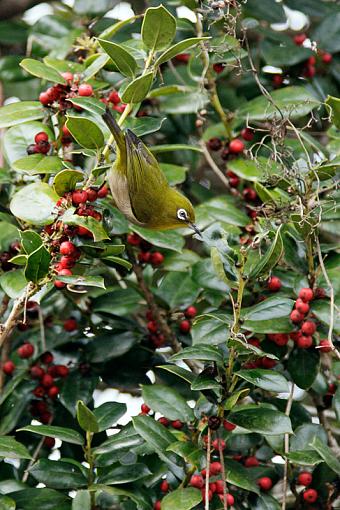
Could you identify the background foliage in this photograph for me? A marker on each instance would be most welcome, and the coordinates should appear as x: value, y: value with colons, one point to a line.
x: 230, y: 338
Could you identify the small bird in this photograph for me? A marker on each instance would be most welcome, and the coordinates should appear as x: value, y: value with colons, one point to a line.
x: 139, y: 187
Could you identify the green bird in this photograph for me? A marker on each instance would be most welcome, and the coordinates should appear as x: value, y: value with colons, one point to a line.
x: 139, y: 187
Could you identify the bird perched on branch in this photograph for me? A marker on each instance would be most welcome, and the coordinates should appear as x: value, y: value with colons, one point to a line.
x: 139, y: 187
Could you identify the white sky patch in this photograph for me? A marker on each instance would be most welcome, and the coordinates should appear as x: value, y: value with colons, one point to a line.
x: 35, y: 13
x: 272, y: 70
x: 121, y: 12
x: 296, y: 21
x: 184, y: 12
x: 112, y: 395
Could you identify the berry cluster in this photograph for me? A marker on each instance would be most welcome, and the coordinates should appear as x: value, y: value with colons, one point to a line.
x: 6, y: 256
x: 156, y: 337
x: 58, y: 95
x: 41, y: 145
x: 234, y: 147
x: 145, y: 255
x: 114, y: 99
x: 175, y: 424
x: 304, y: 337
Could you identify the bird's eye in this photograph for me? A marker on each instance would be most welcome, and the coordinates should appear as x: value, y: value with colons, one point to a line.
x: 182, y: 214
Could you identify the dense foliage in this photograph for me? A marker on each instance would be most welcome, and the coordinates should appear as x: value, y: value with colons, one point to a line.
x: 229, y: 337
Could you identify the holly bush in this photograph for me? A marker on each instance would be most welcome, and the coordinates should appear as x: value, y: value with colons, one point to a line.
x: 227, y: 340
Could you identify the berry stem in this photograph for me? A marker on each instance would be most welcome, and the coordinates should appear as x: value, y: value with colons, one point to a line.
x: 206, y: 506
x: 286, y: 450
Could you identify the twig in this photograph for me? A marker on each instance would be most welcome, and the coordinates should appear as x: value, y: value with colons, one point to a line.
x: 42, y: 330
x: 206, y: 506
x: 213, y: 165
x: 220, y: 451
x: 4, y: 355
x: 7, y: 328
x: 333, y: 443
x: 331, y: 292
x: 4, y: 305
x: 286, y: 450
x: 33, y: 459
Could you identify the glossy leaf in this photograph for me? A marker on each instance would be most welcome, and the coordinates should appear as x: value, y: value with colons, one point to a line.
x: 47, y: 499
x: 270, y: 258
x: 303, y: 366
x: 138, y: 89
x: 41, y: 70
x: 38, y: 164
x: 203, y: 352
x: 261, y: 419
x: 327, y: 454
x: 167, y: 401
x: 158, y: 29
x: 77, y: 388
x: 237, y: 475
x: 122, y: 59
x: 108, y: 414
x: 86, y: 418
x: 85, y: 132
x: 64, y: 434
x: 12, y: 449
x: 185, y: 499
x: 94, y: 226
x: 83, y: 281
x: 269, y: 316
x: 57, y: 474
x: 19, y: 112
x: 171, y: 240
x: 268, y: 380
x: 124, y: 474
x: 82, y: 500
x: 13, y: 283
x: 66, y: 180
x: 177, y: 48
x: 35, y: 204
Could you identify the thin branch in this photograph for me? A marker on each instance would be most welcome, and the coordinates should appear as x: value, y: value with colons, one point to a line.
x: 42, y: 330
x: 220, y: 451
x: 286, y: 450
x: 213, y: 165
x: 33, y: 459
x: 19, y: 304
x: 331, y: 292
x: 333, y: 443
x: 207, y: 476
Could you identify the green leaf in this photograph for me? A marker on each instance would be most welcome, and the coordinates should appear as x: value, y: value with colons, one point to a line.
x: 268, y: 380
x: 35, y: 204
x: 93, y: 225
x: 86, y: 418
x: 334, y: 104
x: 209, y: 330
x: 234, y: 398
x: 12, y: 449
x: 8, y: 234
x: 126, y: 438
x: 270, y: 258
x: 261, y: 419
x: 268, y: 10
x: 108, y: 414
x: 58, y: 474
x: 97, y: 64
x: 327, y: 33
x: 138, y: 89
x: 30, y: 241
x: 82, y: 501
x: 269, y: 316
x: 173, y: 147
x: 64, y: 434
x: 83, y: 281
x: 203, y: 352
x: 266, y: 502
x: 167, y: 401
x: 284, y: 53
x: 177, y: 48
x: 179, y: 371
x: 303, y: 366
x: 66, y: 180
x: 327, y: 454
x: 183, y: 499
x: 258, y: 170
x: 139, y: 500
x: 85, y: 132
x: 205, y: 382
x: 221, y: 209
x: 125, y: 474
x: 304, y: 458
x: 184, y: 102
x: 19, y: 112
x: 41, y: 70
x: 37, y: 266
x: 121, y: 58
x: 38, y: 164
x: 158, y: 28
x: 174, y: 174
x: 44, y: 499
x: 305, y: 434
x: 108, y: 346
x: 77, y: 388
x: 117, y: 302
x: 13, y: 283
x: 293, y: 102
x: 7, y: 503
x: 171, y: 240
x: 237, y: 475
x: 336, y: 403
x: 177, y: 290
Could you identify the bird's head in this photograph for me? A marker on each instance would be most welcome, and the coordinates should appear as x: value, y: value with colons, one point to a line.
x: 177, y: 212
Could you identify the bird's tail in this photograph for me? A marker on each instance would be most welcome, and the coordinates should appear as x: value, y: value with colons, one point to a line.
x: 115, y: 130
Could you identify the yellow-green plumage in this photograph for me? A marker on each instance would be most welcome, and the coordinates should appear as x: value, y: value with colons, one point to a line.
x: 140, y: 188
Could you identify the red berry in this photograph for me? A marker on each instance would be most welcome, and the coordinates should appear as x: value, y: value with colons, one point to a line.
x: 61, y: 371
x: 45, y: 98
x: 119, y: 108
x: 255, y: 342
x: 83, y: 231
x: 65, y: 263
x: 212, y: 487
x: 251, y: 462
x: 79, y: 197
x: 309, y: 71
x: 265, y: 483
x: 325, y: 346
x: 277, y: 80
x: 63, y: 272
x: 49, y: 442
x: 67, y: 76
x: 229, y: 499
x: 157, y: 505
x: 103, y: 191
x: 306, y: 294
x: 219, y: 444
x: 228, y: 426
x: 43, y: 147
x: 299, y: 39
x: 85, y: 90
x: 53, y: 391
x: 39, y: 392
x: 41, y: 137
x: 327, y: 58
x: 312, y: 61
x: 319, y: 293
x: 91, y: 195
x: 219, y: 486
x: 197, y: 481
x: 145, y: 409
x: 190, y: 312
x: 37, y: 372
x: 304, y: 478
x: 66, y: 131
x: 296, y: 316
x: 301, y: 306
x: 185, y: 326
x: 164, y: 486
x: 67, y: 248
x: 308, y: 328
x: 332, y: 388
x: 47, y: 381
x: 26, y: 351
x: 214, y: 144
x: 46, y: 418
x: 177, y: 424
x: 279, y: 338
x: 8, y: 367
x: 133, y: 239
x: 215, y: 468
x: 218, y: 68
x: 183, y: 57
x: 236, y: 146
x: 152, y: 326
x: 310, y: 495
x: 249, y: 194
x: 234, y: 181
x: 210, y: 494
x: 46, y: 358
x: 274, y: 283
x: 114, y: 97
x: 156, y: 258
x: 247, y: 134
x: 70, y: 325
x: 164, y: 421
x: 268, y: 362
x: 304, y: 342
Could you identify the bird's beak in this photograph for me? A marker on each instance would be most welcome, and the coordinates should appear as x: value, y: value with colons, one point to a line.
x: 195, y: 228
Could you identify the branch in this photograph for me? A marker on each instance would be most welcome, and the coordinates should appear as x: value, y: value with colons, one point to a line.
x: 11, y: 8
x: 7, y: 328
x: 286, y: 450
x: 213, y: 165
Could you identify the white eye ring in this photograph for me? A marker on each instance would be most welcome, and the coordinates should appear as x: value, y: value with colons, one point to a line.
x: 182, y: 215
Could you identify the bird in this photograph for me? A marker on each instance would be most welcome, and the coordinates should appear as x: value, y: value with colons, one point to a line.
x: 139, y: 187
